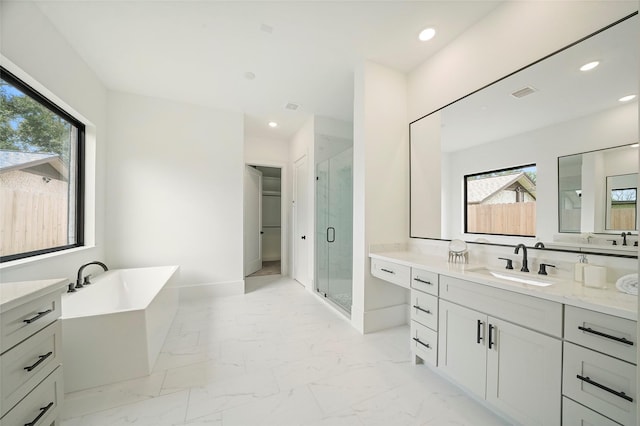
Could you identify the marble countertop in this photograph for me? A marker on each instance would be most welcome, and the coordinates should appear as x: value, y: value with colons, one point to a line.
x: 606, y: 300
x: 16, y: 293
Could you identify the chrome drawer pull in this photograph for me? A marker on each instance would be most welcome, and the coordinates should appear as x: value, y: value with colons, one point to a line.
x: 387, y: 271
x: 422, y: 281
x: 43, y: 410
x: 37, y: 317
x: 608, y: 336
x: 426, y: 345
x: 603, y: 387
x: 423, y: 310
x: 39, y: 361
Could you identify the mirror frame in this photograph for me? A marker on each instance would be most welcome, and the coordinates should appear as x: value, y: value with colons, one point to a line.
x: 551, y: 249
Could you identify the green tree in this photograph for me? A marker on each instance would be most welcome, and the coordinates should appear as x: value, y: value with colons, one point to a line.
x: 28, y: 126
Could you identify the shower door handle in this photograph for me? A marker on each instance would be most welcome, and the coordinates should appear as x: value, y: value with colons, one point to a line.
x: 333, y: 234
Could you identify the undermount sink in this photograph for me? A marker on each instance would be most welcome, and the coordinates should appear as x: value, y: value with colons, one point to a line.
x: 518, y: 277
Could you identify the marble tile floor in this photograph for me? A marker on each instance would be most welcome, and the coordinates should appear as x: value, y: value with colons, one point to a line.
x: 277, y: 356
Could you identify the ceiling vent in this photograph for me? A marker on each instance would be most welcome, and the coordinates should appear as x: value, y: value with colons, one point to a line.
x: 525, y: 91
x: 291, y: 106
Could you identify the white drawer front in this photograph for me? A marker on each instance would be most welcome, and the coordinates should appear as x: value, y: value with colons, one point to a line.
x: 43, y: 404
x: 426, y: 281
x: 424, y: 309
x: 424, y: 343
x: 21, y: 322
x: 392, y: 272
x: 574, y: 414
x: 532, y: 312
x: 597, y: 372
x: 601, y: 332
x: 27, y: 364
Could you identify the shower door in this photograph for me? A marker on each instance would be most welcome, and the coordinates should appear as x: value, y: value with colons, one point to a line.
x: 334, y: 228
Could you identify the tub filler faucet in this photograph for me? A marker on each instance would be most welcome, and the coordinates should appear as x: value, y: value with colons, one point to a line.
x: 79, y: 282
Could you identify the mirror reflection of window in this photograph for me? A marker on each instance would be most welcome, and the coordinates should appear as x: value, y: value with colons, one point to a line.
x: 622, y: 204
x: 501, y: 202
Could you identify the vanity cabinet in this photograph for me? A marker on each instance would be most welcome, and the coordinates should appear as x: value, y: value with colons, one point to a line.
x: 31, y: 389
x: 599, y: 370
x: 391, y: 272
x: 515, y: 369
x: 424, y: 316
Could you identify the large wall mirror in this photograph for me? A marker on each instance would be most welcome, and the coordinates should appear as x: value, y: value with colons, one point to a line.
x: 572, y: 128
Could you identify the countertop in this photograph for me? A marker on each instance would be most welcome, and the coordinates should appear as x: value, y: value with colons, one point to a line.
x: 607, y: 300
x: 16, y: 293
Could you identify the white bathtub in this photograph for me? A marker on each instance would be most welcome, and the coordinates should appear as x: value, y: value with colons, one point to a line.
x: 113, y: 329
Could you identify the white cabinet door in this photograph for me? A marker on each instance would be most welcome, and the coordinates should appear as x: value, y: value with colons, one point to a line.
x: 524, y: 371
x: 461, y: 347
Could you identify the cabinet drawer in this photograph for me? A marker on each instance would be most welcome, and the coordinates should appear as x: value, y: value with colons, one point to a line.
x: 426, y: 281
x: 601, y: 332
x: 424, y: 343
x: 424, y: 309
x: 392, y: 272
x: 531, y: 312
x: 574, y: 414
x: 28, y: 363
x: 43, y: 404
x: 606, y: 385
x: 22, y: 321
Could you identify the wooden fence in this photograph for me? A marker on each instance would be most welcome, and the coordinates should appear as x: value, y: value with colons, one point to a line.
x: 507, y: 219
x: 31, y: 221
x: 623, y: 218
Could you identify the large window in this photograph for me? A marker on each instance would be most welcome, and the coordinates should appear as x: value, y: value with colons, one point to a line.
x: 41, y: 172
x: 501, y: 202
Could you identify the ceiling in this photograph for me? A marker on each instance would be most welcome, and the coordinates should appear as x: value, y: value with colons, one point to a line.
x: 301, y: 52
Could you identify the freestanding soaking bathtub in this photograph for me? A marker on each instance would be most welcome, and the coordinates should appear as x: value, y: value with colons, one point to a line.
x: 114, y: 329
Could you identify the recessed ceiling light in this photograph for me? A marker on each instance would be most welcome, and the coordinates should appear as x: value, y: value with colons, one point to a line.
x: 627, y: 98
x: 427, y: 34
x: 273, y: 124
x: 635, y: 145
x: 589, y: 66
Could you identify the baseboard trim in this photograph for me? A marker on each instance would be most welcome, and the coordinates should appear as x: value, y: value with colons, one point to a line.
x: 209, y: 290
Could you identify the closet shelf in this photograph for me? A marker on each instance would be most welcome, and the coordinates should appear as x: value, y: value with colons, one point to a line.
x: 271, y: 226
x: 271, y: 193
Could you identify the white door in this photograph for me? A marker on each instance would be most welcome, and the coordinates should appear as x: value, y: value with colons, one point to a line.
x: 300, y: 237
x: 524, y: 373
x: 462, y: 351
x: 252, y: 220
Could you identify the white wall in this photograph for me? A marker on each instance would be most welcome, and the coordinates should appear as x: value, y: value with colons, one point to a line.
x: 175, y: 192
x: 34, y: 50
x: 275, y: 153
x: 381, y: 187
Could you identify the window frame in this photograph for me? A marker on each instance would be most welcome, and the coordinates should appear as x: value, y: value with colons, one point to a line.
x: 465, y: 200
x: 25, y: 88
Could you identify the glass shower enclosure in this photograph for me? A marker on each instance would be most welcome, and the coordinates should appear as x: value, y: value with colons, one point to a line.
x: 334, y: 228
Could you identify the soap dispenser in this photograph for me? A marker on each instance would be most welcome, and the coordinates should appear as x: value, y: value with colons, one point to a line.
x: 579, y: 268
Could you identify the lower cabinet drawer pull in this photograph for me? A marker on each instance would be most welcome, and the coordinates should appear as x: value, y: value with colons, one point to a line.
x: 43, y: 411
x: 608, y: 336
x: 422, y: 281
x: 37, y: 317
x: 426, y: 345
x: 603, y: 387
x: 389, y: 271
x: 40, y: 360
x: 423, y: 310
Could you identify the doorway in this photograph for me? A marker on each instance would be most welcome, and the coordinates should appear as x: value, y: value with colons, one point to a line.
x: 263, y: 221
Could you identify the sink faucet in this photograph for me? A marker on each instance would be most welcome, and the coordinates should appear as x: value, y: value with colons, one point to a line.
x: 79, y: 283
x: 524, y: 257
x: 624, y: 237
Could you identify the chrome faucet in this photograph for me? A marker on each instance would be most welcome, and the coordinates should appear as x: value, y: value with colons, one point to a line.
x: 79, y: 283
x: 525, y: 266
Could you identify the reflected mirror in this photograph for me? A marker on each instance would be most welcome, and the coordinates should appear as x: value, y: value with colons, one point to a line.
x: 597, y: 191
x: 549, y: 110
